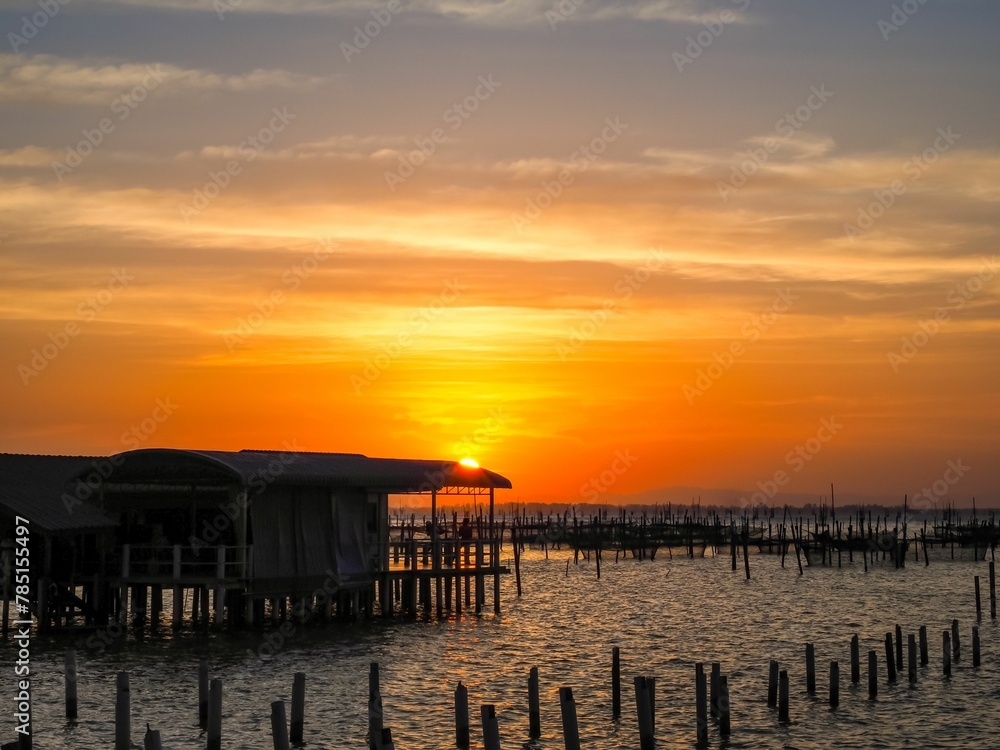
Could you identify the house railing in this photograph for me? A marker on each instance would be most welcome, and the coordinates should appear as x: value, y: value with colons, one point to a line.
x: 183, y: 563
x: 444, y: 554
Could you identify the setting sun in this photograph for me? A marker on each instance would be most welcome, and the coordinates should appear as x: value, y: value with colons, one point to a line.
x: 470, y: 463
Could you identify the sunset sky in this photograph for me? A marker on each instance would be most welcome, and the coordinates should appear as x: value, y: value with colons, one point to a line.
x: 614, y: 251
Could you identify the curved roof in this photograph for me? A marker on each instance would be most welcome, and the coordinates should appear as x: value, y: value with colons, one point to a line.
x: 38, y: 488
x: 170, y: 465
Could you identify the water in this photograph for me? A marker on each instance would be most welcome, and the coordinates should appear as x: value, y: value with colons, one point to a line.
x: 665, y: 615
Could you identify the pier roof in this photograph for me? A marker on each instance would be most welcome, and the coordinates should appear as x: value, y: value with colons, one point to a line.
x: 392, y: 475
x: 36, y: 487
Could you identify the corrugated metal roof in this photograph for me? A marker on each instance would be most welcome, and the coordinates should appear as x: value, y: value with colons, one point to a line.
x: 166, y: 465
x: 33, y: 487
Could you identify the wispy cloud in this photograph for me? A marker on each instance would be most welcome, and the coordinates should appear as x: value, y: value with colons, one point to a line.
x: 492, y: 12
x: 61, y: 80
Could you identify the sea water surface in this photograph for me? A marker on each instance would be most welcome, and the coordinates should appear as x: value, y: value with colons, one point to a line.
x: 665, y: 615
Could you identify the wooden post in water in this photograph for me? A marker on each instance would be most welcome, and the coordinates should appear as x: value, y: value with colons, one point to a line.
x: 946, y: 644
x: 70, y: 674
x: 899, y: 648
x: 732, y: 544
x: 798, y: 554
x: 123, y: 713
x: 890, y: 661
x: 872, y: 675
x: 279, y: 727
x: 783, y: 696
x: 746, y: 550
x: 616, y: 683
x: 644, y: 711
x: 911, y: 661
x: 701, y: 704
x: 975, y: 646
x: 713, y: 690
x: 571, y: 731
x: 993, y: 590
x: 955, y: 649
x: 215, y: 715
x: 924, y: 659
x: 810, y: 668
x: 374, y: 705
x: 855, y: 660
x: 534, y: 706
x: 834, y: 684
x: 772, y: 684
x: 203, y: 692
x: 725, y: 722
x: 151, y: 740
x: 491, y: 729
x: 516, y: 541
x: 979, y: 601
x: 462, y: 736
x: 298, y: 707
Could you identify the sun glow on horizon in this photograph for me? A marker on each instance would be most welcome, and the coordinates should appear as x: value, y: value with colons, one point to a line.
x: 469, y: 463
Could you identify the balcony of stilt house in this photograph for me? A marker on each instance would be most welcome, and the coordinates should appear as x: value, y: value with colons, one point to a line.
x: 211, y: 538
